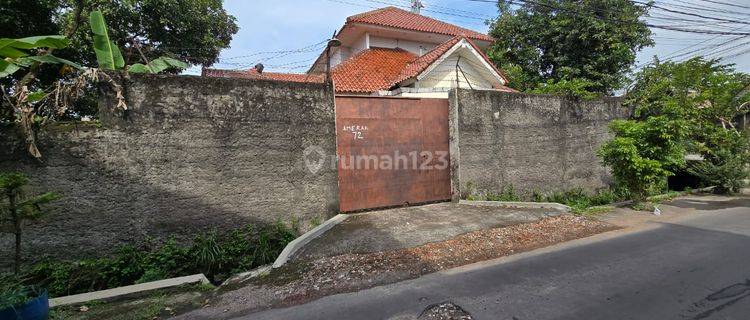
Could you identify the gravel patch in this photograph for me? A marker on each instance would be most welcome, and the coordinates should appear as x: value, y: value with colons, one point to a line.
x: 305, y: 281
x: 445, y: 311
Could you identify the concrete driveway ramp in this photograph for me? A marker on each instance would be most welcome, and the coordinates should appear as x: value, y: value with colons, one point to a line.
x: 413, y: 226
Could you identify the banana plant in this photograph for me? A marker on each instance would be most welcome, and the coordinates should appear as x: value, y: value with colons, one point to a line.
x: 109, y: 57
x: 157, y: 65
x: 15, y: 54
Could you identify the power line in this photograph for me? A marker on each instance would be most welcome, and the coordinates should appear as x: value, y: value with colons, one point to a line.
x: 688, y: 13
x: 429, y: 10
x: 308, y: 48
x: 726, y: 4
x: 656, y: 26
x: 689, y: 6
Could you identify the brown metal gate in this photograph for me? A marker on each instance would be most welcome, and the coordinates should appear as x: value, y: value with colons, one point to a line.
x: 392, y: 151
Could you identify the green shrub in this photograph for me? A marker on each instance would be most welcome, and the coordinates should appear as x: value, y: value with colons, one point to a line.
x: 604, y: 197
x: 216, y: 257
x: 643, y: 153
x: 507, y: 194
x: 726, y: 171
x: 727, y: 154
x: 576, y: 198
x: 14, y: 293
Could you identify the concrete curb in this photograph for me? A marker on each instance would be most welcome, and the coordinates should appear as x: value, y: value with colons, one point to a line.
x: 522, y: 205
x: 244, y: 276
x: 127, y: 290
x: 651, y: 198
x: 304, y: 239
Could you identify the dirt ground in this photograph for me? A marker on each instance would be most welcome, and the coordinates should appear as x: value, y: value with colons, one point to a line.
x: 408, y: 227
x: 304, y: 281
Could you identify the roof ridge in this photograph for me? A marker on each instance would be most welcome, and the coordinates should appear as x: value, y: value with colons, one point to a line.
x: 368, y: 13
x: 362, y: 18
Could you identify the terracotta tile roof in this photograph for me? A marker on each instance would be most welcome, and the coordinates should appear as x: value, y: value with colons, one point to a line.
x: 398, y: 18
x: 368, y: 71
x: 254, y: 74
x: 371, y: 70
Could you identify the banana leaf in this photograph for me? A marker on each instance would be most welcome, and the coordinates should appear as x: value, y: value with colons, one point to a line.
x: 48, y: 58
x: 7, y: 68
x: 16, y: 48
x: 107, y: 53
x: 157, y: 65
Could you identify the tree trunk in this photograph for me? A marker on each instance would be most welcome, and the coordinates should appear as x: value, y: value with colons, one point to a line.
x: 17, y: 266
x: 16, y: 230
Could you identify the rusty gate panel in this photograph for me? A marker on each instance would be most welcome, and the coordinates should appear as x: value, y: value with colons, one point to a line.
x: 392, y: 151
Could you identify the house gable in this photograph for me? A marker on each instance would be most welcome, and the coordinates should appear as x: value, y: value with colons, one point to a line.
x: 462, y: 63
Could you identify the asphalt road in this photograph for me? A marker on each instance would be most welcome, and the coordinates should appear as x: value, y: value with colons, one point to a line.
x: 696, y: 268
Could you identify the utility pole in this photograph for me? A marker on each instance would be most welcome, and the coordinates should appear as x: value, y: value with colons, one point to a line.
x: 416, y: 6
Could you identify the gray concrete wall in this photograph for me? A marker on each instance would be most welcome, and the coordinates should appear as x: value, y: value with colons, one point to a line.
x: 531, y: 142
x: 191, y: 154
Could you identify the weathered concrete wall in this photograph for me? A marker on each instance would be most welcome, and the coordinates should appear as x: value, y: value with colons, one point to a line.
x: 531, y: 142
x: 191, y: 154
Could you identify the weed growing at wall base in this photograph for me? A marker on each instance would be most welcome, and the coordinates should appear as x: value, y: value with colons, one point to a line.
x: 216, y: 256
x: 578, y: 199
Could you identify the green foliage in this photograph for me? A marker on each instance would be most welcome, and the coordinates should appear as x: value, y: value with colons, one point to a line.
x: 216, y: 257
x: 108, y: 55
x: 579, y: 88
x: 194, y: 31
x: 507, y: 194
x: 725, y: 170
x: 23, y: 207
x: 189, y: 30
x: 647, y: 206
x: 644, y: 153
x: 13, y: 293
x: 699, y: 98
x: 580, y: 201
x: 16, y: 208
x: 16, y: 54
x: 156, y: 66
x: 22, y: 18
x: 537, y: 43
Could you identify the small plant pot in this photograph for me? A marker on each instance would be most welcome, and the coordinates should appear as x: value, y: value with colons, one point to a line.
x: 34, y: 309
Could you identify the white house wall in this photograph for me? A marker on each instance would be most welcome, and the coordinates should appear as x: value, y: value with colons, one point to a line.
x: 444, y: 75
x: 340, y: 55
x: 418, y: 48
x: 361, y: 44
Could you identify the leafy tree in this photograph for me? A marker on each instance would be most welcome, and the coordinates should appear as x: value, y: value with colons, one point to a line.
x: 16, y: 54
x: 188, y: 30
x: 194, y: 31
x: 577, y: 88
x: 708, y: 95
x: 24, y: 18
x: 548, y: 41
x: 690, y: 105
x: 16, y: 208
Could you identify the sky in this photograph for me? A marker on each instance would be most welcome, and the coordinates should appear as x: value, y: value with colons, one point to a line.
x: 270, y: 29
